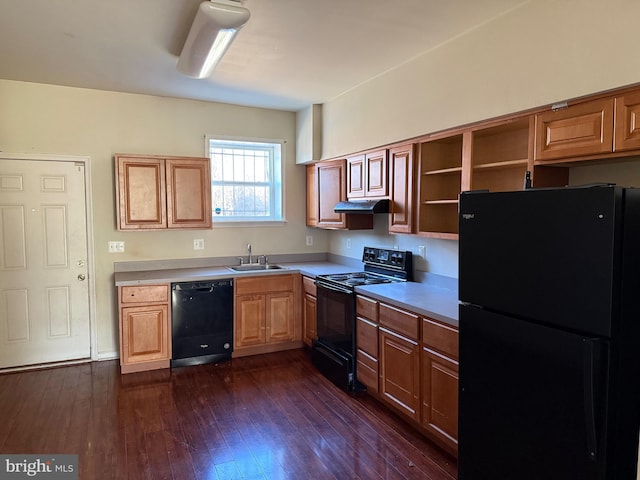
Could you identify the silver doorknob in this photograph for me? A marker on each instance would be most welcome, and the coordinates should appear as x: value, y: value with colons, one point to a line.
x: 82, y: 276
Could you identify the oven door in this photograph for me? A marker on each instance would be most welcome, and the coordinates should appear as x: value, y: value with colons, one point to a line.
x: 336, y: 316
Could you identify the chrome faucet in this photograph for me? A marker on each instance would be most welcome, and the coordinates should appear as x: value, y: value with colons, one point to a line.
x: 250, y: 257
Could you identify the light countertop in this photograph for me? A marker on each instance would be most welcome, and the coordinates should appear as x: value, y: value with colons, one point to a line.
x: 427, y: 299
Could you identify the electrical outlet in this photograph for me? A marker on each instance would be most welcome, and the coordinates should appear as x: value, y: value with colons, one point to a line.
x: 198, y: 243
x: 422, y: 251
x: 116, y: 247
x: 309, y: 240
x: 348, y: 243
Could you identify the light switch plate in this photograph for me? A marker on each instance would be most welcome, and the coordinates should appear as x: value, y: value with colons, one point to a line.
x: 116, y: 247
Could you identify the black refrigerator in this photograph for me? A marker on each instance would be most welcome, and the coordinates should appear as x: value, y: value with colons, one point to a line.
x: 549, y: 284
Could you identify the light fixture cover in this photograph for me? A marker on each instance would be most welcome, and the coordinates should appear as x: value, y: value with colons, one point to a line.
x: 212, y: 31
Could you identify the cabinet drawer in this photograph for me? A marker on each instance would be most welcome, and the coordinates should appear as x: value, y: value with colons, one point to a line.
x: 144, y: 294
x: 367, y: 336
x: 309, y: 286
x: 367, y: 370
x: 263, y: 284
x: 401, y: 321
x: 366, y: 307
x: 442, y: 338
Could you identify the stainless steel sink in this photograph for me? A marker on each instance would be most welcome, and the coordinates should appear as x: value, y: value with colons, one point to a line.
x: 251, y: 267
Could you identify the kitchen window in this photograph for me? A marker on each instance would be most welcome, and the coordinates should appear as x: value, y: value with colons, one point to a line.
x: 246, y: 180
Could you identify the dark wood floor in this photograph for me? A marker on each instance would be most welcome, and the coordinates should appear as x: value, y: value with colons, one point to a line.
x: 264, y: 417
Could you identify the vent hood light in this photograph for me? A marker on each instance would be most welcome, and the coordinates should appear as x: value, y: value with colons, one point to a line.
x: 363, y: 206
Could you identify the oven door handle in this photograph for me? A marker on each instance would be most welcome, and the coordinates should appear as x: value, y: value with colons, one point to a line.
x: 335, y: 288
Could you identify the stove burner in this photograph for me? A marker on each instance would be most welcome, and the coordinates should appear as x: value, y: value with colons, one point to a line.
x: 358, y: 278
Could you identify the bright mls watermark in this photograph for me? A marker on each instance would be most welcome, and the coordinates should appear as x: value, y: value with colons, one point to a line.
x: 52, y: 467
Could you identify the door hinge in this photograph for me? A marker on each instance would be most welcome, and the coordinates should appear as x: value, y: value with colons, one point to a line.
x: 559, y: 106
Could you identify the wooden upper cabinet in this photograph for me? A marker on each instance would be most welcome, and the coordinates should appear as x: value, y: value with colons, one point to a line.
x: 367, y: 175
x: 141, y: 193
x: 188, y: 193
x: 627, y: 122
x: 312, y: 196
x: 162, y: 192
x: 580, y: 130
x: 402, y: 203
x: 331, y: 184
x: 355, y: 176
x: 439, y: 184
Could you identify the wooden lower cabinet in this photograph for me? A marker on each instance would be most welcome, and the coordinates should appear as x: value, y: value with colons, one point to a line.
x: 280, y: 317
x: 410, y: 363
x: 440, y: 397
x: 145, y: 327
x: 250, y: 322
x: 266, y: 315
x: 400, y: 373
x: 309, y: 319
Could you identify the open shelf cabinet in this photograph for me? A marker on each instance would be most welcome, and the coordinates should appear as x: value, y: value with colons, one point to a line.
x: 501, y: 156
x: 440, y: 177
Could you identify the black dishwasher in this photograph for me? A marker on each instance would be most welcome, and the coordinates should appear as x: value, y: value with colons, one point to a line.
x: 202, y: 322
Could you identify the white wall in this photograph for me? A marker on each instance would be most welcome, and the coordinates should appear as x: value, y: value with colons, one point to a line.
x: 539, y: 53
x: 47, y: 119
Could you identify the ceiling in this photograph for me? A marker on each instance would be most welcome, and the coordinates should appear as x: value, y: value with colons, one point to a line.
x: 291, y: 53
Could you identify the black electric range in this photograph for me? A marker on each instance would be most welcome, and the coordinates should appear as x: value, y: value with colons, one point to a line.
x: 334, y: 351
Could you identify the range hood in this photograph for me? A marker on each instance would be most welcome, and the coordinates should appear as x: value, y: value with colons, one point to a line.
x: 363, y: 206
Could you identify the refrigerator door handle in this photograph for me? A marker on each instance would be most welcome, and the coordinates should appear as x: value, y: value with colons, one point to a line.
x: 590, y: 371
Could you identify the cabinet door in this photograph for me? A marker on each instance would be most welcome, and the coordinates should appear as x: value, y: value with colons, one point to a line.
x: 331, y: 190
x: 145, y: 334
x: 250, y: 322
x: 583, y: 129
x: 375, y: 171
x: 188, y: 193
x: 309, y: 318
x: 627, y: 124
x: 400, y: 373
x: 402, y: 204
x: 312, y: 196
x: 355, y: 177
x: 141, y: 193
x: 440, y: 397
x: 279, y: 311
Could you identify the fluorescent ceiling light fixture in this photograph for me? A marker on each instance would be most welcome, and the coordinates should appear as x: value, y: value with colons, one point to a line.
x: 213, y: 29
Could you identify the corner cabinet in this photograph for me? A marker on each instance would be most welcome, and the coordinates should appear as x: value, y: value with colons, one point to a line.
x: 331, y: 187
x: 266, y: 314
x: 145, y: 327
x: 155, y: 192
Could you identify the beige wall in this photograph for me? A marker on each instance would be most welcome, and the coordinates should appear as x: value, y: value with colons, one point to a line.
x: 539, y: 53
x: 544, y: 51
x: 47, y: 119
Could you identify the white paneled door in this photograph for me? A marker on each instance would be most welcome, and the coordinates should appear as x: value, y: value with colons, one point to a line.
x: 44, y: 293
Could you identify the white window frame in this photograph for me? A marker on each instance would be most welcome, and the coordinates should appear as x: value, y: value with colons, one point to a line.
x: 277, y: 196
